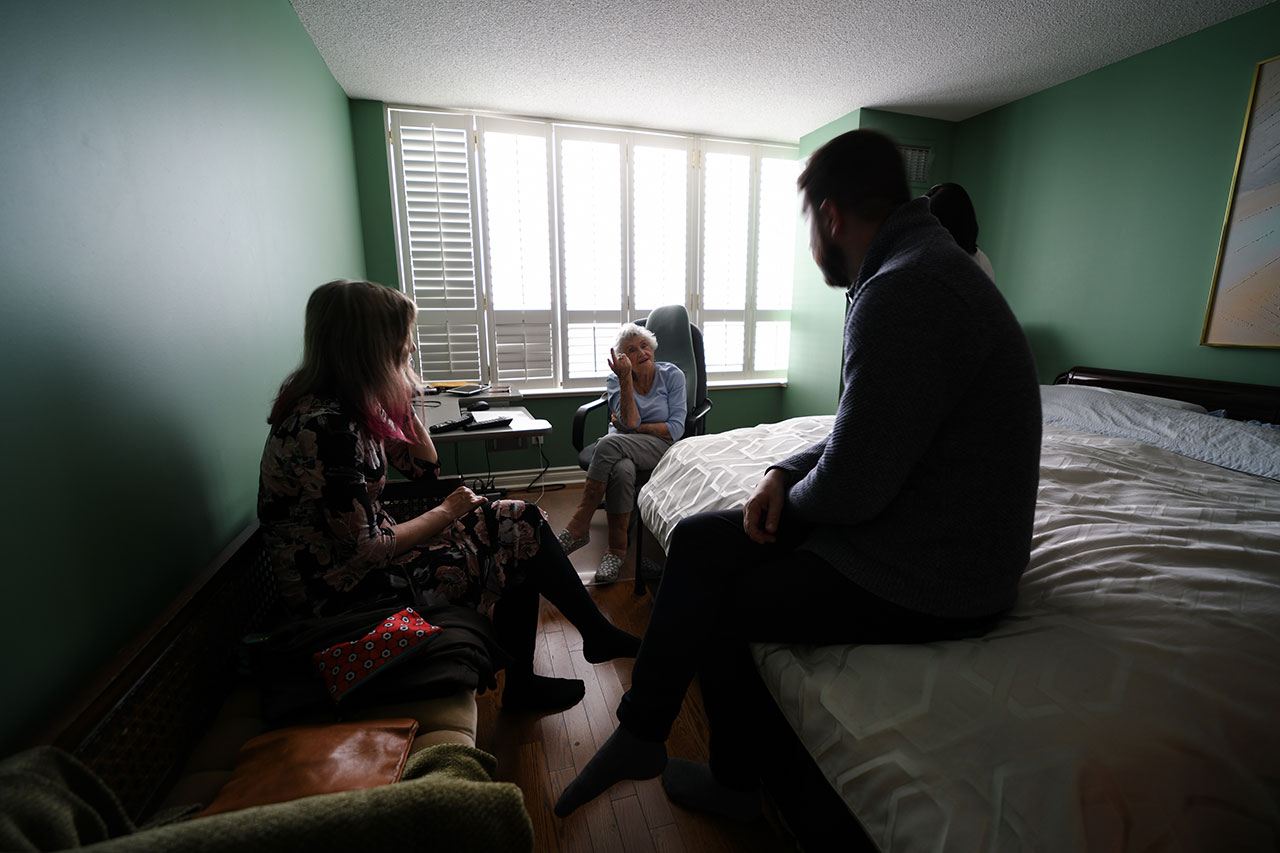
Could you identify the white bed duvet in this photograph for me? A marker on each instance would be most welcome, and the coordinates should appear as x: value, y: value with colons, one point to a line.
x: 1131, y: 701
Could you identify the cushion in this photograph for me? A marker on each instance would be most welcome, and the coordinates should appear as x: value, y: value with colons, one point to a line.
x: 345, y: 666
x: 303, y: 761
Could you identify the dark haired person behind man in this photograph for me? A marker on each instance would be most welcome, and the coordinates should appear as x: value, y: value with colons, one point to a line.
x: 954, y: 209
x: 910, y: 522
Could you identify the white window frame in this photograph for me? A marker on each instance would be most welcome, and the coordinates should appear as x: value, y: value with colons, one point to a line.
x: 506, y: 322
x: 496, y: 329
x: 626, y: 310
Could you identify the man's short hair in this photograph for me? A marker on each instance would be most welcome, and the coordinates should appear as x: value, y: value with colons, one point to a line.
x: 861, y: 172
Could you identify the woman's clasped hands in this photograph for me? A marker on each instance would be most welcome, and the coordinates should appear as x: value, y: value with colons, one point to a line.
x: 460, y: 502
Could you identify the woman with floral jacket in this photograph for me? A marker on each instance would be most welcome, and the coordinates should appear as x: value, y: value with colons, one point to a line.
x: 336, y: 424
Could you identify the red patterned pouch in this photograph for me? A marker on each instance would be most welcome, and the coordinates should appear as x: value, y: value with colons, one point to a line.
x: 345, y: 666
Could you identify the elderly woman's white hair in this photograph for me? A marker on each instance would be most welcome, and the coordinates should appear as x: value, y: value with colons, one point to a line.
x: 631, y: 330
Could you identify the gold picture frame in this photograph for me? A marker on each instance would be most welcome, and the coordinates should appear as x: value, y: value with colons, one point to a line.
x: 1244, y: 300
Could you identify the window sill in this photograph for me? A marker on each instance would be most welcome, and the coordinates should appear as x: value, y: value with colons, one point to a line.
x: 715, y: 385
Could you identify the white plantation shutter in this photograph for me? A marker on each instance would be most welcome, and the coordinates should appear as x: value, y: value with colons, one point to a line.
x: 775, y: 253
x: 437, y: 237
x: 724, y: 343
x: 772, y: 345
x: 726, y: 252
x: 592, y: 247
x: 749, y: 210
x: 449, y: 350
x: 525, y: 354
x: 591, y: 224
x: 526, y: 244
x: 588, y: 347
x: 659, y: 223
x: 726, y: 199
x: 515, y: 190
x: 779, y: 208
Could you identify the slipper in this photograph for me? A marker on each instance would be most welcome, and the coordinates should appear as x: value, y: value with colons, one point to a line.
x: 610, y: 565
x: 569, y: 544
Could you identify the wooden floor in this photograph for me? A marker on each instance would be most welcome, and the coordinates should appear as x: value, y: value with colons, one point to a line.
x: 542, y: 753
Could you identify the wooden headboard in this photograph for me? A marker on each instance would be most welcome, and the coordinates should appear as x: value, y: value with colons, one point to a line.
x: 1241, y: 400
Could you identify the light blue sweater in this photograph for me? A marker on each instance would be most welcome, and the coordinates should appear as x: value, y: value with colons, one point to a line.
x: 665, y: 401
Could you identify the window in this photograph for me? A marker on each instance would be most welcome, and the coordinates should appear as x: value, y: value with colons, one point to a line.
x: 527, y: 243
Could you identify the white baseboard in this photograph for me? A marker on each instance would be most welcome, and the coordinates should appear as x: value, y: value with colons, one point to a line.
x: 519, y: 479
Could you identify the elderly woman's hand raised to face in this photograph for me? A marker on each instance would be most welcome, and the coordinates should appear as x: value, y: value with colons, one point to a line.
x: 620, y: 365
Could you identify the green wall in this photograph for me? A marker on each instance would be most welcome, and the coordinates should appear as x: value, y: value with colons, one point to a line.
x: 1101, y: 203
x: 373, y: 179
x: 177, y: 178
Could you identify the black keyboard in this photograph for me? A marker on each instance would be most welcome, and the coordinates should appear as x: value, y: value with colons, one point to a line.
x: 450, y: 426
x: 492, y: 422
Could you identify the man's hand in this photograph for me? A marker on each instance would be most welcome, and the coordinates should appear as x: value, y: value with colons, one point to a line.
x: 460, y: 502
x: 764, y: 508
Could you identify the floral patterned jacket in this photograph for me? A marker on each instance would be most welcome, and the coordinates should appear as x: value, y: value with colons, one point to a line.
x: 323, y: 525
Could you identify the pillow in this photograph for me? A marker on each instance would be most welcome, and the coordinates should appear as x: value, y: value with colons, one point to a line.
x: 1147, y: 398
x: 302, y: 761
x: 1194, y: 434
x: 345, y: 666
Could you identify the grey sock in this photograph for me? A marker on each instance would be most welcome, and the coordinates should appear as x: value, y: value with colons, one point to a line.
x: 690, y: 784
x: 623, y: 756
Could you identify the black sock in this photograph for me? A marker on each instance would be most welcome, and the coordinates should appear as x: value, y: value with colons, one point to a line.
x: 525, y: 691
x: 692, y: 785
x: 608, y: 643
x: 623, y: 756
x: 558, y: 581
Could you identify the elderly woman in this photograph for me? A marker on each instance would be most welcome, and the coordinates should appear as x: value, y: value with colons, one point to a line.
x: 336, y: 424
x: 647, y: 408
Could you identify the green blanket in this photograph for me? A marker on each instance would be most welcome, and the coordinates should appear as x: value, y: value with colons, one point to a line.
x: 446, y: 800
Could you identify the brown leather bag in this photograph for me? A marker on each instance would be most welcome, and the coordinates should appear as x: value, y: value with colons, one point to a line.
x: 303, y: 761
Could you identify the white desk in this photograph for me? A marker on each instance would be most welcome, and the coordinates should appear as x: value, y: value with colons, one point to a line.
x: 523, y: 430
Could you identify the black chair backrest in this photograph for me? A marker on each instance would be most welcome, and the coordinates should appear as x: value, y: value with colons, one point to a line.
x: 698, y: 427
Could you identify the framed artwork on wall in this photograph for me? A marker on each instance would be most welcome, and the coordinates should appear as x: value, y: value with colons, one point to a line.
x: 1244, y: 301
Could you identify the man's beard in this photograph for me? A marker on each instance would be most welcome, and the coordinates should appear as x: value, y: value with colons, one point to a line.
x: 835, y: 270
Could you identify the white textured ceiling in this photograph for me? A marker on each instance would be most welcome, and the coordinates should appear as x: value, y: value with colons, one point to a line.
x: 741, y: 68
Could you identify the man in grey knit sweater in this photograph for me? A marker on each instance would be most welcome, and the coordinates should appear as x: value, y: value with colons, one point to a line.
x: 910, y: 522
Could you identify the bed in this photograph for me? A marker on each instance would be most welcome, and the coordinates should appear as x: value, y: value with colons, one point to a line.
x: 1131, y: 699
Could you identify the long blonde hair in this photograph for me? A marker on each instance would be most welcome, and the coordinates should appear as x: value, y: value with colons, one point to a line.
x: 355, y: 349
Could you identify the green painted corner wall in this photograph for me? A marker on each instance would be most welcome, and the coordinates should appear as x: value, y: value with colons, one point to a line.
x: 939, y: 136
x: 1101, y: 203
x: 178, y: 178
x: 373, y: 183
